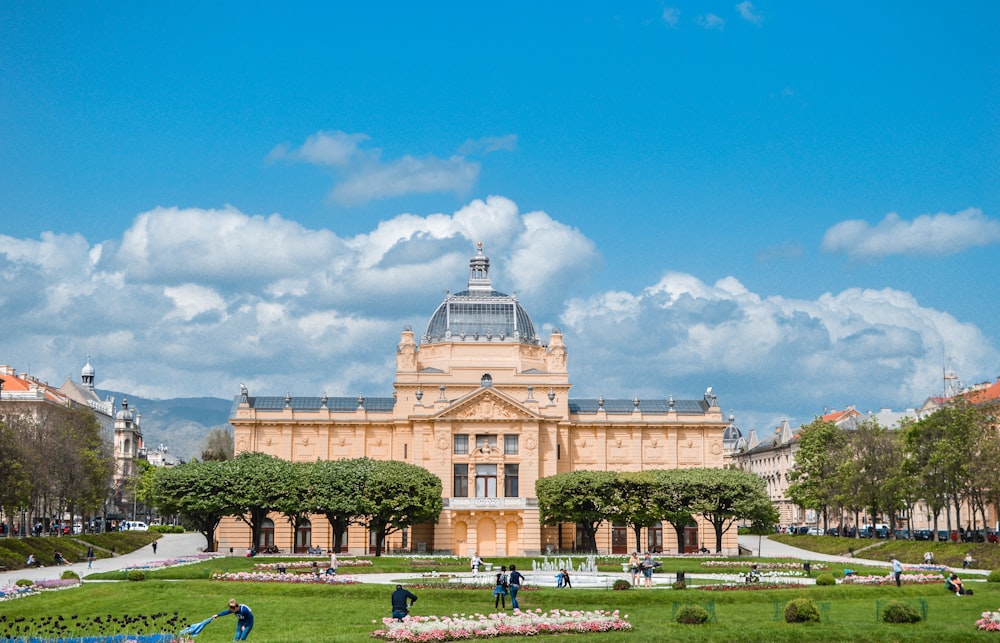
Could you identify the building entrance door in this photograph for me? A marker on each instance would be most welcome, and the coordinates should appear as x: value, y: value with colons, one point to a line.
x: 619, y: 539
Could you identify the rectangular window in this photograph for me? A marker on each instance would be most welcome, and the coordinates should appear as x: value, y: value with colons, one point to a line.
x: 510, y: 444
x: 460, y: 443
x: 486, y: 440
x: 486, y: 481
x: 510, y: 481
x: 461, y: 486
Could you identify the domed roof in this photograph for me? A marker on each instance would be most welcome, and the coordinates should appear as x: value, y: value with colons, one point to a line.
x: 88, y: 370
x: 125, y: 413
x: 480, y: 314
x: 732, y: 432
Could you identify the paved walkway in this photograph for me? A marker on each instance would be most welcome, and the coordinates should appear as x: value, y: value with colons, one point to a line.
x: 189, y: 544
x: 167, y: 547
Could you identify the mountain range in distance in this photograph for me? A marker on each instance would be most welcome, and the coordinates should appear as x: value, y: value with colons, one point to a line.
x: 179, y: 424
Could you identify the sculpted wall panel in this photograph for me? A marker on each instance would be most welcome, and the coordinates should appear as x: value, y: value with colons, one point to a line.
x: 690, y: 447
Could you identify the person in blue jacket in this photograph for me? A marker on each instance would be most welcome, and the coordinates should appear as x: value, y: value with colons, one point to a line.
x: 244, y: 619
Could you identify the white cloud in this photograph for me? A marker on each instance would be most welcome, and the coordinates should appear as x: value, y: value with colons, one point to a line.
x: 671, y: 16
x: 927, y: 235
x: 711, y: 21
x: 489, y: 144
x: 869, y: 347
x: 361, y: 174
x: 408, y: 175
x: 334, y: 148
x: 193, y: 301
x: 747, y: 12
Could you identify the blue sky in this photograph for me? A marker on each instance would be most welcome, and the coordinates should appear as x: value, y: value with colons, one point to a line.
x: 794, y: 203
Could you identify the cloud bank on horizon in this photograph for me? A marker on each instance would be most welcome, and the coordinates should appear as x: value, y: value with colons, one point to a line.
x: 191, y: 301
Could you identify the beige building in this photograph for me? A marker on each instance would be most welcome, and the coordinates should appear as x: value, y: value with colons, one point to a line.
x: 484, y: 404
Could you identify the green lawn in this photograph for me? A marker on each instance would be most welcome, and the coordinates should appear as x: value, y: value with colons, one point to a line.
x: 985, y: 555
x: 303, y: 613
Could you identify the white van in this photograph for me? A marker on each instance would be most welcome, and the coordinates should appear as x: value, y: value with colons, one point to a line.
x: 134, y: 525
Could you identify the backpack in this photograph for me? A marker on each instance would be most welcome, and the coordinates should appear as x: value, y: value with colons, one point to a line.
x: 502, y: 580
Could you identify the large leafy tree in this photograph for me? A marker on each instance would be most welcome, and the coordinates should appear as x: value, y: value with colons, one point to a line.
x: 296, y: 503
x: 15, y: 482
x: 633, y: 503
x: 256, y: 485
x: 395, y: 495
x: 673, y: 496
x: 814, y: 478
x: 723, y: 496
x: 877, y: 458
x: 586, y: 498
x: 196, y: 490
x: 334, y: 489
x: 218, y: 444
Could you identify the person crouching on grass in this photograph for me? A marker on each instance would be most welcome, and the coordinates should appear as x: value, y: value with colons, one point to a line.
x: 244, y: 619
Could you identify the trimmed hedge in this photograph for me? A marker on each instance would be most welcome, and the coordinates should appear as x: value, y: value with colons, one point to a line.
x: 801, y: 610
x: 897, y: 612
x: 692, y: 615
x: 826, y: 579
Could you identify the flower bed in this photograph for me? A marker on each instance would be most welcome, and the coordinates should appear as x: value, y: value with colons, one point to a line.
x: 909, y: 579
x: 173, y: 562
x: 990, y: 622
x: 307, y: 564
x: 740, y: 564
x: 463, y: 627
x: 8, y: 592
x: 269, y: 577
x: 737, y: 587
x: 136, y: 628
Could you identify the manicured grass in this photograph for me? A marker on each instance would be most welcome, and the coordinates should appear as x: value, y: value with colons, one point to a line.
x: 985, y: 555
x: 306, y: 613
x: 14, y: 551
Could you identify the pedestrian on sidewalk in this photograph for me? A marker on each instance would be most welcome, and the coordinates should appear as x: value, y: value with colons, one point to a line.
x: 90, y: 557
x: 897, y: 571
x: 154, y: 547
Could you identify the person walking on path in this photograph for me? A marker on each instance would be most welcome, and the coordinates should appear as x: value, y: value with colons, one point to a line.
x: 500, y: 589
x: 402, y: 599
x: 897, y: 571
x: 244, y: 619
x: 476, y: 562
x: 154, y: 547
x: 514, y: 581
x: 90, y: 557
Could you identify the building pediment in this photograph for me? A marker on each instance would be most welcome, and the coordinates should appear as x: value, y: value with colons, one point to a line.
x: 487, y: 404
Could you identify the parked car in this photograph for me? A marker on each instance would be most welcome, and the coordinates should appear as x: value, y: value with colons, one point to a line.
x: 815, y: 531
x: 134, y: 525
x: 923, y: 534
x: 902, y: 534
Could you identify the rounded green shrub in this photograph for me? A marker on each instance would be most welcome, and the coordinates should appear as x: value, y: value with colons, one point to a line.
x: 679, y: 585
x: 692, y: 615
x: 801, y: 610
x: 826, y: 579
x: 24, y: 582
x: 897, y: 612
x: 994, y: 576
x: 136, y: 575
x: 70, y: 574
x: 621, y: 585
